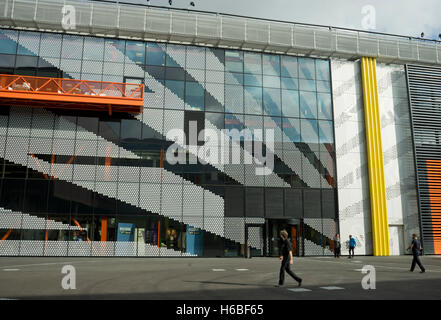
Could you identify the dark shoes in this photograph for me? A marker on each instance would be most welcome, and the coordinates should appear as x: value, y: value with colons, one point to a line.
x: 300, y: 283
x: 423, y: 271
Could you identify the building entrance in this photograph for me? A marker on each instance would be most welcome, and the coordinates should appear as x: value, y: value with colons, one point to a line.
x: 293, y: 227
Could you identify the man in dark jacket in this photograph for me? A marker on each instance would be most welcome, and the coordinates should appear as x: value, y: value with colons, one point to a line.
x: 337, y: 246
x: 286, y: 258
x: 416, y: 250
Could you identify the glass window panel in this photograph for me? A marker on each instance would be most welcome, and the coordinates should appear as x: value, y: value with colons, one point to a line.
x: 93, y: 49
x: 234, y: 121
x: 307, y: 85
x: 234, y: 78
x: 233, y: 61
x: 308, y: 104
x: 194, y: 96
x: 254, y: 123
x: 324, y: 101
x: 92, y: 66
x: 175, y: 56
x: 135, y: 51
x: 253, y: 80
x: 289, y: 67
x: 290, y: 83
x: 195, y: 75
x: 174, y: 73
x: 91, y: 76
x: 110, y: 130
x: 271, y: 82
x: 291, y: 130
x: 253, y: 63
x: 309, y: 131
x: 275, y: 124
x: 253, y: 100
x: 271, y: 65
x: 72, y: 47
x: 233, y: 98
x: 155, y: 54
x: 177, y: 87
x: 326, y: 131
x: 290, y: 103
x: 215, y: 76
x: 26, y: 62
x: 26, y: 71
x: 271, y: 102
x: 130, y: 129
x: 113, y: 68
x: 156, y: 72
x: 50, y: 45
x: 28, y: 43
x: 7, y: 44
x: 215, y: 59
x: 114, y: 50
x: 216, y: 119
x: 195, y: 57
x: 306, y: 68
x: 7, y: 60
x: 322, y: 69
x: 214, y: 97
x: 323, y: 86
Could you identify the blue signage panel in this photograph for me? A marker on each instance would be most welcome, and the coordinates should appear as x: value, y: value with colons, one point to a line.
x: 126, y: 232
x: 194, y: 242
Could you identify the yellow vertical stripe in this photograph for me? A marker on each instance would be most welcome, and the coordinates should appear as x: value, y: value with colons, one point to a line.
x: 377, y: 186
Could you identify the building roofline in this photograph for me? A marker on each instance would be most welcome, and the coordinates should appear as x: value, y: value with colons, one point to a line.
x: 107, y: 18
x: 268, y: 20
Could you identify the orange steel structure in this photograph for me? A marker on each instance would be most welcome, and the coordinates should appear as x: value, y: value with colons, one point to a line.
x: 71, y: 94
x: 434, y: 180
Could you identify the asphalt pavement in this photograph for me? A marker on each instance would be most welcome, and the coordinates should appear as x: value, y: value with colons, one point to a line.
x: 217, y: 278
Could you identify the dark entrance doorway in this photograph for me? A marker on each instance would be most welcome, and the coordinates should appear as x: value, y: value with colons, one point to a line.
x: 293, y: 227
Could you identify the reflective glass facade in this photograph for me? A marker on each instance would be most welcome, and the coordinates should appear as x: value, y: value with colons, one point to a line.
x: 89, y: 183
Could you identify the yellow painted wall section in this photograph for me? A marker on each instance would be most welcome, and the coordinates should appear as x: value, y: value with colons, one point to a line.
x: 377, y: 186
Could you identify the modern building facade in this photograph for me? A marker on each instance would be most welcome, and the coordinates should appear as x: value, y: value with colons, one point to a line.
x: 89, y: 114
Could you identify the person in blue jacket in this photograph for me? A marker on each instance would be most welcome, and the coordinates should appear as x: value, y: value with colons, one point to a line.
x: 352, y: 245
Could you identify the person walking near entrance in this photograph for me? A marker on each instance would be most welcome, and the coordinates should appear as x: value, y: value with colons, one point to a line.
x: 352, y: 245
x: 337, y: 246
x: 416, y: 250
x: 286, y: 258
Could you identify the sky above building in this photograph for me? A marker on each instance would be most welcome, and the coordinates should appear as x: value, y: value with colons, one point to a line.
x: 404, y: 17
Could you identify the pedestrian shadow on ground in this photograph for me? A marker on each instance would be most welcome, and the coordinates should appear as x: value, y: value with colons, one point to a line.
x: 231, y: 283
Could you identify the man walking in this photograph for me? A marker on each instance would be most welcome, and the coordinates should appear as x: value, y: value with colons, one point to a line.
x: 286, y: 258
x: 416, y: 250
x: 337, y: 246
x: 352, y: 245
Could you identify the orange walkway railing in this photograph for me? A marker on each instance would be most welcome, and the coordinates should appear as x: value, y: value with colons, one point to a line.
x: 71, y: 94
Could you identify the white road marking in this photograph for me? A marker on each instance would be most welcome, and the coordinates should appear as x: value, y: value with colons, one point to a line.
x: 46, y: 264
x: 332, y: 288
x: 7, y: 299
x: 241, y: 269
x: 11, y: 269
x: 218, y: 270
x: 299, y: 290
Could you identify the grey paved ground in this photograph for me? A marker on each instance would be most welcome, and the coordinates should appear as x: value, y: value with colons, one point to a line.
x: 192, y: 278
